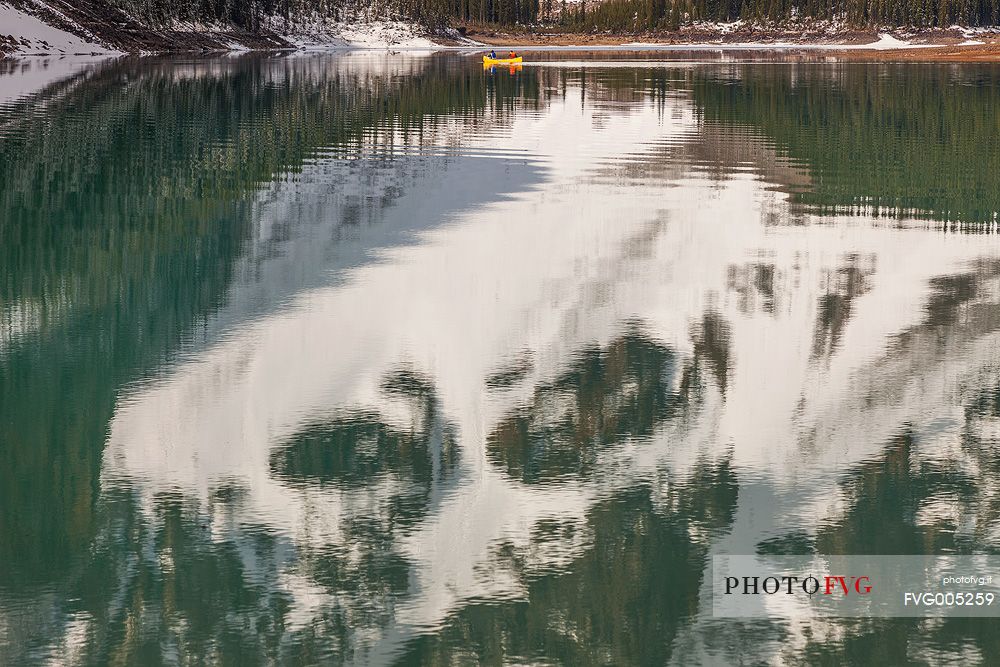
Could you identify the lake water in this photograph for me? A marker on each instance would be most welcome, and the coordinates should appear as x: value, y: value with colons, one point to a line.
x: 385, y: 359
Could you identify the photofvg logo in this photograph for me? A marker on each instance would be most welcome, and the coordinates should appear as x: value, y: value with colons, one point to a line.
x: 794, y: 587
x: 787, y: 584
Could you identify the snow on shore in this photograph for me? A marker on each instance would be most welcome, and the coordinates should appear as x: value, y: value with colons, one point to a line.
x: 25, y: 34
x: 314, y: 31
x: 364, y: 34
x: 886, y: 42
x: 32, y: 36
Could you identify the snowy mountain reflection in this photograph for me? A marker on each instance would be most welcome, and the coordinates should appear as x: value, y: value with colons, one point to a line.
x: 381, y: 358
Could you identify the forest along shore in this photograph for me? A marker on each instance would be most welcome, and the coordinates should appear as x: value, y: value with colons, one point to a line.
x: 109, y: 27
x: 103, y: 27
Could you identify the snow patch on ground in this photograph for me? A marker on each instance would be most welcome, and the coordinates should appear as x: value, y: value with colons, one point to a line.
x: 178, y: 25
x: 886, y: 42
x: 385, y: 34
x: 722, y: 28
x: 970, y: 32
x: 318, y: 32
x: 32, y: 36
x: 460, y: 39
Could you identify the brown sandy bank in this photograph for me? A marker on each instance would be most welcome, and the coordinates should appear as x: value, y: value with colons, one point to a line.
x: 926, y: 46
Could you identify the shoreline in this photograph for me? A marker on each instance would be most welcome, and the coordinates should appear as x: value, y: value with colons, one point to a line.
x: 989, y: 52
x: 805, y: 52
x: 951, y: 45
x: 41, y: 36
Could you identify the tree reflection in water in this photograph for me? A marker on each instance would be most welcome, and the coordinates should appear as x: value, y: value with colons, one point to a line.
x: 622, y: 392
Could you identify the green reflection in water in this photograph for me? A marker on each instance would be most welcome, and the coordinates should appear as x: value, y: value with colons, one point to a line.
x: 127, y: 201
x: 127, y: 204
x: 608, y: 396
x: 893, y: 140
x: 621, y: 602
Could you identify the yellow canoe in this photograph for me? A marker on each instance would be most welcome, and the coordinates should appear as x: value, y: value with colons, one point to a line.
x: 501, y: 61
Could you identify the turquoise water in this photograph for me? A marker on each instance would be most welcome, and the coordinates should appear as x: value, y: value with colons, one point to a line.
x: 381, y: 358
